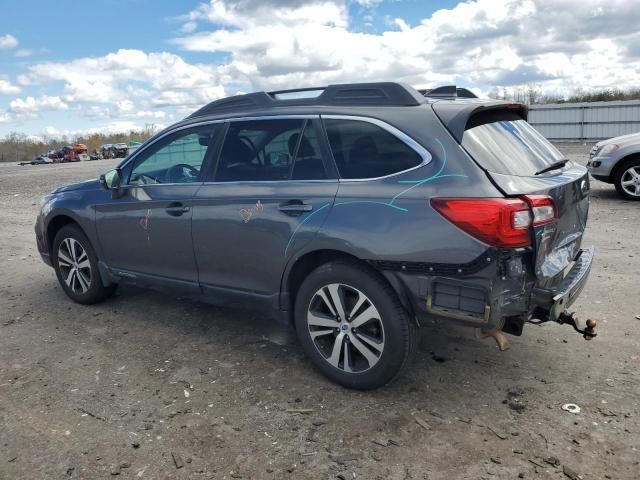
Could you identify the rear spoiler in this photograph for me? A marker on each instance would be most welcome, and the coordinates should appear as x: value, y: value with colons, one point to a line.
x: 456, y: 115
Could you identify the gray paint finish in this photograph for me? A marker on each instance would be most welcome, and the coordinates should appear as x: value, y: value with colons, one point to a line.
x: 242, y: 239
x: 238, y: 242
x: 144, y: 231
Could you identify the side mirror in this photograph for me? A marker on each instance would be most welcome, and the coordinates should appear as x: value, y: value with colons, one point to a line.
x: 111, y: 180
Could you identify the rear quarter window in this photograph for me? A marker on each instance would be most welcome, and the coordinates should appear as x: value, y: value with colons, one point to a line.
x: 364, y: 150
x: 503, y: 142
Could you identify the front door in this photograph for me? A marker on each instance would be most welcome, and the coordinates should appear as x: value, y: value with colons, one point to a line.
x: 272, y: 192
x: 146, y: 232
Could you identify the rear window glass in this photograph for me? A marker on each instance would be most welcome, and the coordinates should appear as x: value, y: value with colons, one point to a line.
x: 364, y: 150
x: 502, y: 142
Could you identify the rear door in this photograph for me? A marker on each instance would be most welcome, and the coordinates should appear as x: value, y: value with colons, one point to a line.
x: 515, y: 156
x: 270, y: 193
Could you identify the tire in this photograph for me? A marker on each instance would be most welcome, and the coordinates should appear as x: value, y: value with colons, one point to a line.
x: 625, y: 173
x: 388, y: 337
x: 78, y: 272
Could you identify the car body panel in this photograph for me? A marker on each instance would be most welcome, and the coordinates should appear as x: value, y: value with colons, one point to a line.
x: 238, y: 227
x: 73, y: 202
x: 601, y: 166
x: 139, y: 234
x: 556, y: 244
x: 236, y: 245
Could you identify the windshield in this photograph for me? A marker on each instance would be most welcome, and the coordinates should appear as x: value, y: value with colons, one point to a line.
x: 503, y: 142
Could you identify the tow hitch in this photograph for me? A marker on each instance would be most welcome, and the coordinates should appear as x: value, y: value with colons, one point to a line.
x: 588, y: 331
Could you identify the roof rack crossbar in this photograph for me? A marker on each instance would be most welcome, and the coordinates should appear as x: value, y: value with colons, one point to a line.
x: 355, y: 94
x: 296, y: 90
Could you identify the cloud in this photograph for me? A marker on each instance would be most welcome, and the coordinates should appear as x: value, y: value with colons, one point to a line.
x: 108, y: 129
x: 247, y: 13
x: 4, y: 117
x: 8, y: 41
x: 6, y: 88
x: 479, y: 43
x: 247, y: 45
x: 367, y: 3
x: 23, y: 52
x: 120, y: 77
x: 31, y: 106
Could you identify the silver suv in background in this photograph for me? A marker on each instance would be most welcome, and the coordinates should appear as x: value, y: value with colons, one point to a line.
x: 617, y: 161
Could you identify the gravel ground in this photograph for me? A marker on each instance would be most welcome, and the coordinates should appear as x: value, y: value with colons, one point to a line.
x: 149, y: 386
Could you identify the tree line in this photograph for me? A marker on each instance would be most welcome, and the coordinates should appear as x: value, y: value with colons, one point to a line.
x: 18, y: 147
x: 532, y: 94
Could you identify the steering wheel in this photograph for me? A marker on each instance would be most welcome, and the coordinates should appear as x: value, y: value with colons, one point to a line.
x: 181, y: 173
x: 252, y: 146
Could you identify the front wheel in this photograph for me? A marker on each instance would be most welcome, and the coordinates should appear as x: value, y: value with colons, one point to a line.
x: 76, y: 266
x: 352, y: 325
x: 627, y: 179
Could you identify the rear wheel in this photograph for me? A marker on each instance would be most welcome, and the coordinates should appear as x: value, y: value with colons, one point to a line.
x: 627, y: 179
x: 76, y: 266
x: 352, y: 325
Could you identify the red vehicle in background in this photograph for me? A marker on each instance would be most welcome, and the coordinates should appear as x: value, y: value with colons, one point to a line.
x: 56, y: 155
x: 69, y: 154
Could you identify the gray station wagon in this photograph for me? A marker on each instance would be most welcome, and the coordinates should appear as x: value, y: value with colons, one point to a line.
x: 353, y: 213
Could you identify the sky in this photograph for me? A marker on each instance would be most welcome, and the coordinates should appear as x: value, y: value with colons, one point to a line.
x: 71, y: 67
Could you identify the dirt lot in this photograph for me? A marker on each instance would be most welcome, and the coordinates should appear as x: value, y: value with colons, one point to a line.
x: 149, y: 386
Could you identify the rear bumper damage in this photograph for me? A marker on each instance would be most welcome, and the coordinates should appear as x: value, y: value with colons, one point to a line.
x: 499, y: 298
x: 552, y: 303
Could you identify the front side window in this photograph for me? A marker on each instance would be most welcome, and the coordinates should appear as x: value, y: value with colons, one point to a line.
x: 364, y: 150
x: 177, y: 158
x: 270, y: 150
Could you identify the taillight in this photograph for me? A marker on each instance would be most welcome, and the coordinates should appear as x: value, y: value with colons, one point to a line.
x: 542, y: 208
x: 501, y: 222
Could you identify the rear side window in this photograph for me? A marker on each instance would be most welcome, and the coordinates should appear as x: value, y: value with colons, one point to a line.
x: 364, y: 150
x: 502, y: 142
x: 270, y: 150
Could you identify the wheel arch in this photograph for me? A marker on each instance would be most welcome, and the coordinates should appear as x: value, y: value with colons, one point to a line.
x: 64, y: 218
x: 58, y: 221
x: 620, y: 163
x: 305, y: 264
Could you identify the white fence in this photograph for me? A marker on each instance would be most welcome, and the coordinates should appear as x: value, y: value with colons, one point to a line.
x: 586, y: 121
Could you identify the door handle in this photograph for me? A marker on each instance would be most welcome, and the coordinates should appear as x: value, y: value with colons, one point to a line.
x: 176, y: 209
x: 295, y: 208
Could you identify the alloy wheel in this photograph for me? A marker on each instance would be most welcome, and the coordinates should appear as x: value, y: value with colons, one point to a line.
x: 630, y: 181
x: 346, y: 328
x: 74, y: 265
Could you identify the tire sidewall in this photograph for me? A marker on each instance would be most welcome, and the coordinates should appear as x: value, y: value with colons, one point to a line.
x: 95, y: 291
x: 618, y: 178
x: 394, y: 320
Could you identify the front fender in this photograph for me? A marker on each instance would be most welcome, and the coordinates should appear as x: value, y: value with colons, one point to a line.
x: 73, y: 206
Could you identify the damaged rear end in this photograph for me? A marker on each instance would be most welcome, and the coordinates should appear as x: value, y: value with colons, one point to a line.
x: 544, y: 210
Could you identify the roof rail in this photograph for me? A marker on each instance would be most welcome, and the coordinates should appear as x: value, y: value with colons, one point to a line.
x: 353, y: 94
x: 448, y: 91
